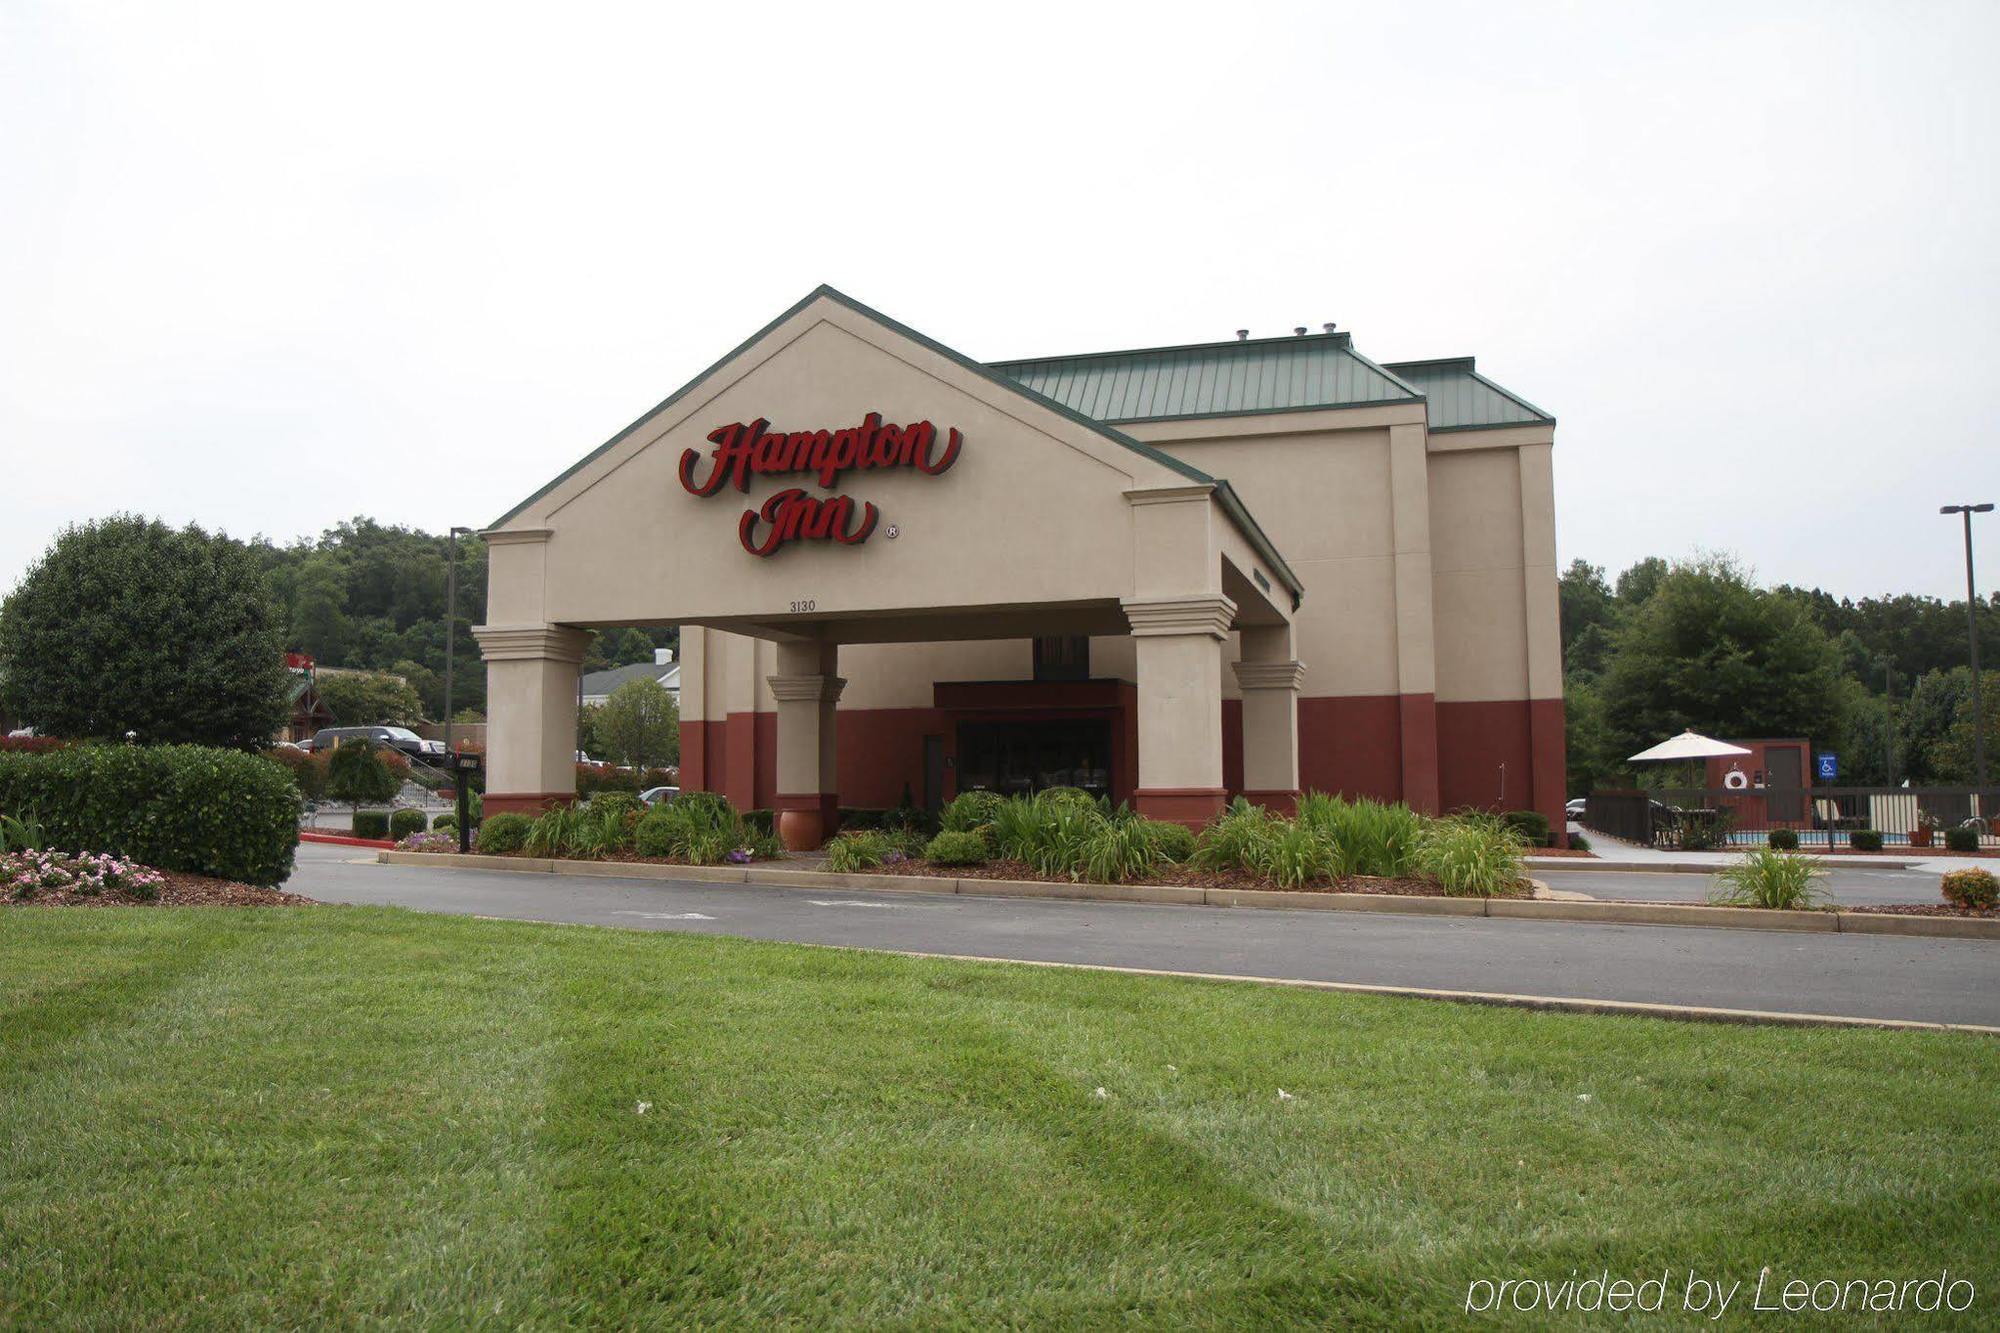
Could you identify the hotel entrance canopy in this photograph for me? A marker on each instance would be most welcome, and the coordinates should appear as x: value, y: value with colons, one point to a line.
x: 839, y: 478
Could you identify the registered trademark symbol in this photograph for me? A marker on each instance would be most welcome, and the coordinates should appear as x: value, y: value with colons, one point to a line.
x: 891, y: 532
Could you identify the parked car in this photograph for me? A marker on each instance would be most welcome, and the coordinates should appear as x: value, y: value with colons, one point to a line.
x: 396, y: 738
x: 1574, y: 809
x: 656, y: 795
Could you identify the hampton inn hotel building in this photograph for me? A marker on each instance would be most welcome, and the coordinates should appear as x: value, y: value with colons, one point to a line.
x: 1170, y: 575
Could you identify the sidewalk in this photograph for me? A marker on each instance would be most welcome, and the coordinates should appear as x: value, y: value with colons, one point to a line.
x: 1613, y: 854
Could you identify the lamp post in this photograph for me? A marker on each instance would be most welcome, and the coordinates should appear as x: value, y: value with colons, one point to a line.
x: 1972, y: 632
x: 1888, y: 722
x: 451, y: 631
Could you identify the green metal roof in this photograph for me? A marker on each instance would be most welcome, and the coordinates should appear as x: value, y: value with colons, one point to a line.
x: 1213, y: 379
x: 1463, y: 399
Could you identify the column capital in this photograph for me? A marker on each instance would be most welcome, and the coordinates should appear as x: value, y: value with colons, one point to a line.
x: 531, y: 643
x: 1210, y: 614
x: 1270, y: 675
x: 806, y: 689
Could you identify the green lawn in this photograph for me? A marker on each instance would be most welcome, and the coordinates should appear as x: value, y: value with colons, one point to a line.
x: 257, y: 1117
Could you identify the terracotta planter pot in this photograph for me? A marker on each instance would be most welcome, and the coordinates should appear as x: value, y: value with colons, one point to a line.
x: 1920, y: 837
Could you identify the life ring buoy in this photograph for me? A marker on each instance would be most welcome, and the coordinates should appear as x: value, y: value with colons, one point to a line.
x: 1735, y: 780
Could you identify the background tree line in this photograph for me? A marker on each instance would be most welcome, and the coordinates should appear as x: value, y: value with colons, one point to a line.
x: 368, y: 596
x: 1883, y: 680
x: 129, y: 627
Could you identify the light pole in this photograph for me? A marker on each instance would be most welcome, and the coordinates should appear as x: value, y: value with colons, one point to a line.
x: 451, y: 631
x: 1972, y: 631
x: 1888, y: 722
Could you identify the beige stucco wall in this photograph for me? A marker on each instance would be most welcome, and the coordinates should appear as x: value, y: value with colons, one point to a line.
x: 1032, y: 511
x: 1325, y: 500
x: 1039, y: 514
x: 1428, y: 562
x: 1480, y: 574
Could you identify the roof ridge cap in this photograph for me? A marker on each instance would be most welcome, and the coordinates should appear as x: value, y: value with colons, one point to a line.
x: 1341, y: 339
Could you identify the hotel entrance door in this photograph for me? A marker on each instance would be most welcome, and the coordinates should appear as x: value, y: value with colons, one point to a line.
x: 1019, y: 757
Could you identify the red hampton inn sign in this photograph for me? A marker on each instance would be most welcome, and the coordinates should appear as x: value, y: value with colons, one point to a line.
x: 742, y: 452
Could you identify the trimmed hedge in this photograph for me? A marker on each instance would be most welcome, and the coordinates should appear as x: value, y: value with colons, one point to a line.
x: 371, y: 824
x: 1532, y: 825
x: 191, y: 808
x: 402, y: 823
x: 1172, y: 842
x: 502, y: 834
x: 956, y: 847
x: 1783, y: 839
x: 1865, y: 840
x: 1961, y: 840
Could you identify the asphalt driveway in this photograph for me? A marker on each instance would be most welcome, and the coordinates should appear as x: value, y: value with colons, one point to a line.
x: 1944, y: 981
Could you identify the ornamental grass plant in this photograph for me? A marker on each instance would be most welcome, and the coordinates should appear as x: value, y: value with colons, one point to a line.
x: 1237, y: 839
x: 1764, y: 877
x: 1114, y: 851
x: 1368, y: 837
x: 1297, y: 854
x: 1471, y: 856
x: 861, y: 850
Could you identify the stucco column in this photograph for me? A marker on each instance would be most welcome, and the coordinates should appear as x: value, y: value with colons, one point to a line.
x: 531, y: 676
x: 1416, y: 630
x: 1178, y: 647
x: 1547, y: 747
x: 1269, y: 677
x: 807, y: 690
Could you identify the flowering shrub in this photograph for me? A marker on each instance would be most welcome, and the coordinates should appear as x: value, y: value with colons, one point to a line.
x: 429, y: 842
x: 1974, y: 889
x: 32, y: 744
x: 25, y: 874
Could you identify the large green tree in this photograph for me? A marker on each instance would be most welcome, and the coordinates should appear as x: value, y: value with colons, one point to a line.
x: 1589, y: 611
x: 369, y: 699
x: 128, y: 625
x: 640, y: 725
x: 1709, y: 650
x: 357, y: 774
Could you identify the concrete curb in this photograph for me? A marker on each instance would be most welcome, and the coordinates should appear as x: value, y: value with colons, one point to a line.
x: 342, y: 839
x: 1185, y: 895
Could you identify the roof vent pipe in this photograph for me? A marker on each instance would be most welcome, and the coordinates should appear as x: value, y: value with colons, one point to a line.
x: 1300, y: 331
x: 1242, y: 334
x: 1327, y: 327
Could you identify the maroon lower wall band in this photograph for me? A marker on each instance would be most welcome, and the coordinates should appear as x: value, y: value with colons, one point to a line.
x: 1436, y: 755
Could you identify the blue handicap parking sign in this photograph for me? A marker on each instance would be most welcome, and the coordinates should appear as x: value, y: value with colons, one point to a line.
x: 1829, y: 766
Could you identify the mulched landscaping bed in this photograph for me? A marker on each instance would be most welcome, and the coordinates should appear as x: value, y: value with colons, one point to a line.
x: 1170, y: 873
x: 1930, y: 909
x: 1577, y: 852
x: 1166, y: 873
x: 179, y: 891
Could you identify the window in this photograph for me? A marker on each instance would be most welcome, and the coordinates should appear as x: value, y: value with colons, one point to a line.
x: 1062, y: 657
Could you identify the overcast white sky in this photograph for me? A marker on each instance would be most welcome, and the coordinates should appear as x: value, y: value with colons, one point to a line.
x: 266, y: 266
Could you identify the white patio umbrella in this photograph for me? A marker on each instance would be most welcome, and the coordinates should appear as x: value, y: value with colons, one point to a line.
x: 1687, y: 745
